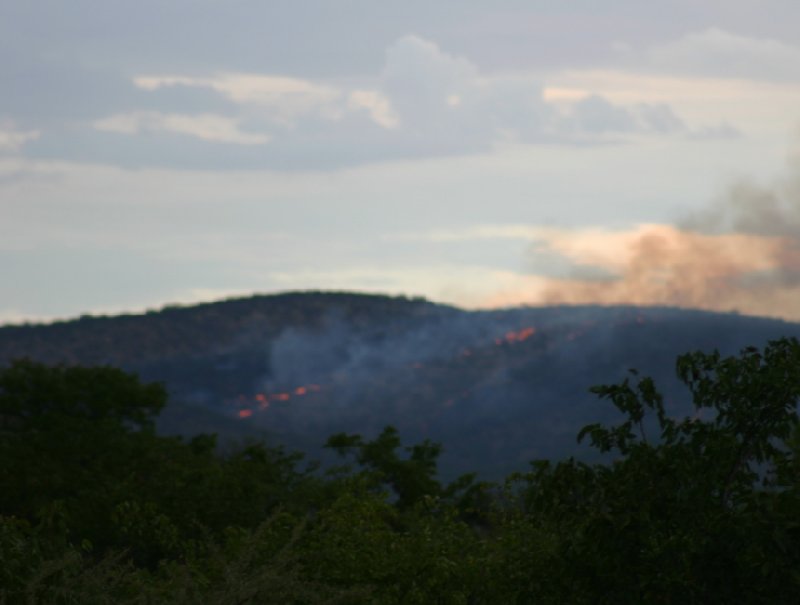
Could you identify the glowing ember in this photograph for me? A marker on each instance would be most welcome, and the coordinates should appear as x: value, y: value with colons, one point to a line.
x: 248, y: 404
x: 515, y: 337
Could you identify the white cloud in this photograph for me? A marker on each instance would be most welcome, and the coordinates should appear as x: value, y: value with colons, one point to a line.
x: 378, y: 106
x: 717, y: 52
x: 12, y: 139
x: 208, y: 127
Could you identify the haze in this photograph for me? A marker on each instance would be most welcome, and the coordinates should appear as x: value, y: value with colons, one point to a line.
x: 477, y: 153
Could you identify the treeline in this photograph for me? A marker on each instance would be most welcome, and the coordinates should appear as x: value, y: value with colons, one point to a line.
x: 95, y: 507
x: 183, y: 331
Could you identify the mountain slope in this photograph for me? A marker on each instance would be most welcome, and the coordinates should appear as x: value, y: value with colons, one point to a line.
x: 497, y: 388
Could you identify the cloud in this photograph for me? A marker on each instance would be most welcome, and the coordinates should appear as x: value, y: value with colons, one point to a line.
x: 594, y: 114
x: 719, y: 53
x: 377, y: 105
x: 424, y: 102
x: 425, y: 84
x: 286, y: 99
x: 12, y: 139
x: 658, y: 117
x: 204, y: 126
x: 723, y: 130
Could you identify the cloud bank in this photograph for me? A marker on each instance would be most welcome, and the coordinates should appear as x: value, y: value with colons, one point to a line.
x: 424, y: 102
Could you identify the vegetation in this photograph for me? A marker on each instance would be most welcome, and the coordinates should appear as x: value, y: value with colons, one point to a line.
x: 432, y: 371
x: 95, y: 507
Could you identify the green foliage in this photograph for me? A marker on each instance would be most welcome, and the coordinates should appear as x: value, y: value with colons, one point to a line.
x: 699, y: 514
x: 97, y: 508
x: 412, y: 478
x: 34, y: 396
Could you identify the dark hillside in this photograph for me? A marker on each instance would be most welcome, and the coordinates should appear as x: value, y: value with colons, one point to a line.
x: 177, y: 331
x: 497, y: 388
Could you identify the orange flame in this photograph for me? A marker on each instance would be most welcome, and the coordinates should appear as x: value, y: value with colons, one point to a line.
x: 514, y: 337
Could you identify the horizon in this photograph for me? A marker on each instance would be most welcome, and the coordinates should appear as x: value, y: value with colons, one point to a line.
x: 482, y: 155
x: 170, y: 306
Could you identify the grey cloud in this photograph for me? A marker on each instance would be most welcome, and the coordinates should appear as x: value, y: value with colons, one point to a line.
x: 719, y: 53
x: 54, y: 91
x: 37, y: 92
x: 659, y: 118
x: 722, y: 130
x: 181, y: 99
x: 595, y: 115
x: 319, y: 38
x: 438, y: 104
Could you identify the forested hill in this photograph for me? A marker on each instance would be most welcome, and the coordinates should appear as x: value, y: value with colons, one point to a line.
x: 184, y: 330
x: 496, y: 388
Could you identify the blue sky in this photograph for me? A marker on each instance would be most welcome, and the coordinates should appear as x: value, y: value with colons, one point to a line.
x: 476, y: 153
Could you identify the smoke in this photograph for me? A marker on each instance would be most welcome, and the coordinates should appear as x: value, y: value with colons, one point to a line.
x: 741, y: 252
x: 339, y: 352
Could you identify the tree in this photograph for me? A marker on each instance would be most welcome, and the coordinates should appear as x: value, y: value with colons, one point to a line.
x: 705, y: 510
x: 36, y: 396
x: 80, y: 460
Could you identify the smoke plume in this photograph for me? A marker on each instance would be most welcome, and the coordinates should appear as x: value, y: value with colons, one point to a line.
x: 742, y: 252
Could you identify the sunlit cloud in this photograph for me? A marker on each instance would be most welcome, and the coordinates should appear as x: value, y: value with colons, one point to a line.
x: 378, y: 106
x: 207, y: 127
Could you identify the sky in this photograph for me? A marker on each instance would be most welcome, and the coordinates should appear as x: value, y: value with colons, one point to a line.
x: 482, y: 154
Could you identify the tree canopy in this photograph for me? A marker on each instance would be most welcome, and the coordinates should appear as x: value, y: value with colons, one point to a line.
x: 95, y: 507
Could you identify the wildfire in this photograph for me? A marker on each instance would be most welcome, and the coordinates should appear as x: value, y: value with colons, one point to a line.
x: 515, y: 337
x: 262, y: 401
x: 248, y: 405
